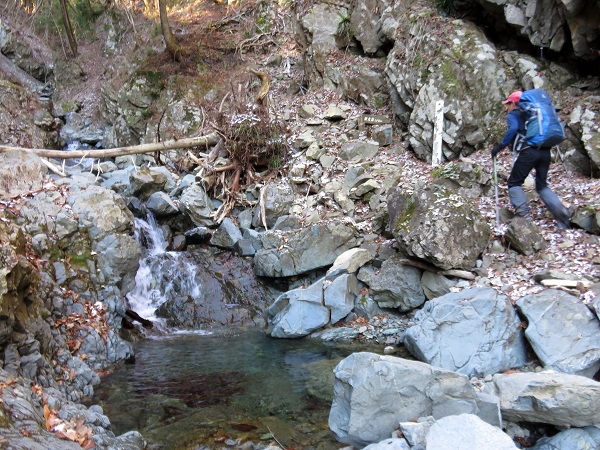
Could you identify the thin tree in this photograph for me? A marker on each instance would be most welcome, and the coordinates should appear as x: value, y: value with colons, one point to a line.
x: 68, y: 28
x: 170, y: 41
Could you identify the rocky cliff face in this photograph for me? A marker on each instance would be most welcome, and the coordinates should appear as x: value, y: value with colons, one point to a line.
x: 568, y: 27
x: 428, y: 57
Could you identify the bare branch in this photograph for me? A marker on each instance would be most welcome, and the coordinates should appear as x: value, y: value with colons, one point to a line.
x: 206, y: 141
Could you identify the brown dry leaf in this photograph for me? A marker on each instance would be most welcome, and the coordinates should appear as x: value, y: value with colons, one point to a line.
x: 25, y: 433
x: 46, y: 412
x: 88, y: 444
x: 83, y: 431
x: 37, y: 389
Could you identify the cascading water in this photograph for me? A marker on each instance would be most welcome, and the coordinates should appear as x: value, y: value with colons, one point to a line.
x: 162, y: 274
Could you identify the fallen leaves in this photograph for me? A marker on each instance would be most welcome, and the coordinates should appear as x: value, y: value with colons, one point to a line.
x: 77, y: 326
x: 74, y: 430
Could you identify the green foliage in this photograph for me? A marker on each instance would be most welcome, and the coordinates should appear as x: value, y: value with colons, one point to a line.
x: 344, y: 28
x: 82, y: 13
x: 449, y: 171
x: 263, y: 21
x: 446, y: 6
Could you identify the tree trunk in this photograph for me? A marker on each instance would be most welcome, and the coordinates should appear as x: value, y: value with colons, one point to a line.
x: 68, y: 27
x: 18, y: 76
x: 205, y: 141
x: 170, y: 42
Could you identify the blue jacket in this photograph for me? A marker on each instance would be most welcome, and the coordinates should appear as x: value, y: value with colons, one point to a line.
x: 515, y: 122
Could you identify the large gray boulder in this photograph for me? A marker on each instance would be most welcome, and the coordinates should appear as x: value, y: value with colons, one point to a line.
x: 298, y: 319
x: 584, y: 121
x: 552, y: 398
x: 339, y: 295
x: 319, y: 28
x: 101, y: 211
x: 574, y: 438
x: 466, y: 432
x: 289, y: 253
x: 475, y: 332
x: 373, y: 393
x: 20, y: 172
x: 276, y: 200
x: 195, y: 203
x: 147, y: 180
x: 576, y: 348
x: 438, y: 226
x: 457, y: 65
x: 299, y: 312
x: 109, y: 223
x: 227, y: 235
x: 396, y: 285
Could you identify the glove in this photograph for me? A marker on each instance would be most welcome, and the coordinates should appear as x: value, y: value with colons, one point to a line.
x: 495, y: 150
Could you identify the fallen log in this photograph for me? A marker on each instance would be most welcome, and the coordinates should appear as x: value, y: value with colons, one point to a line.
x: 204, y: 141
x: 551, y: 282
x: 17, y: 75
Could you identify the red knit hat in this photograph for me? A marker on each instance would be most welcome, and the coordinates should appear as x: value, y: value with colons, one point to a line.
x: 513, y: 98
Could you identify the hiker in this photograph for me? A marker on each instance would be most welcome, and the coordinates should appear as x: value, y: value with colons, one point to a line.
x: 529, y: 157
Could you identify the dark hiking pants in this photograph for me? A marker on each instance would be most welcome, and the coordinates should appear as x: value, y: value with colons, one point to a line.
x: 538, y: 159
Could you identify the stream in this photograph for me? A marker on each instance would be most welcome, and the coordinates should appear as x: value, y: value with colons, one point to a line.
x: 225, y: 388
x: 216, y: 388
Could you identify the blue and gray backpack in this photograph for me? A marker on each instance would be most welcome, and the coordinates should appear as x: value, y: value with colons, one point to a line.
x: 543, y: 128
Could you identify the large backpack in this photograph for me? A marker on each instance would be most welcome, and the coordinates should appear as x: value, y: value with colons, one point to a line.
x: 543, y: 128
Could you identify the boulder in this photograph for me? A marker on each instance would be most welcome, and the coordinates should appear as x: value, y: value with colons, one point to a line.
x: 574, y: 438
x: 587, y: 218
x: 475, y: 332
x: 438, y: 226
x: 366, y: 24
x: 195, y: 203
x: 275, y: 201
x: 457, y: 65
x: 289, y: 253
x: 396, y: 285
x: 373, y: 393
x: 320, y: 27
x: 325, y: 301
x: 524, y: 237
x: 227, y: 235
x: 161, y: 205
x: 298, y: 319
x: 466, y: 432
x: 436, y: 285
x: 553, y: 398
x: 101, y: 211
x: 20, y: 172
x: 576, y: 348
x: 350, y: 261
x: 464, y: 177
x: 584, y: 122
x: 339, y: 296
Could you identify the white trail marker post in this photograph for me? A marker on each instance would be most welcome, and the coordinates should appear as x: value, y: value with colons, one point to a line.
x: 436, y: 156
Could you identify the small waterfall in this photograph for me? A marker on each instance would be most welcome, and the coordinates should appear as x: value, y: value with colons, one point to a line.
x: 162, y: 274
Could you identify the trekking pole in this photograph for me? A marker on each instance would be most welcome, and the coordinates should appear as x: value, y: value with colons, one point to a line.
x: 496, y: 192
